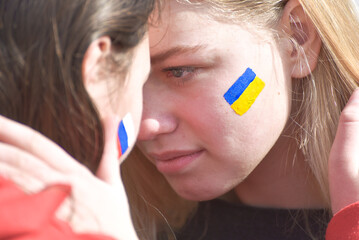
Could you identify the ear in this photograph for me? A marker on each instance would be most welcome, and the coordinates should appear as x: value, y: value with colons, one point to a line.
x: 305, y: 40
x: 95, y: 52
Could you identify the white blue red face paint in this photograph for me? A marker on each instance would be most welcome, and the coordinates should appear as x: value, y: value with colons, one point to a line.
x: 126, y: 135
x: 242, y: 94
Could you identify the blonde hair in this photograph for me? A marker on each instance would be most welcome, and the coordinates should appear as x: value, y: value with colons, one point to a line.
x: 317, y: 102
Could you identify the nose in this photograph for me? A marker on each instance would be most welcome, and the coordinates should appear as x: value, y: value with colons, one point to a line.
x: 158, y: 117
x: 152, y: 127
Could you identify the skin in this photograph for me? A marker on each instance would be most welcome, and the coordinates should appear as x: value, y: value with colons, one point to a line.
x: 343, y: 159
x: 113, y: 98
x: 201, y: 146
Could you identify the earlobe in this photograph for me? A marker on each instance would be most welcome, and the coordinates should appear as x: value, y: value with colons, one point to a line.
x: 306, y: 42
x: 95, y: 52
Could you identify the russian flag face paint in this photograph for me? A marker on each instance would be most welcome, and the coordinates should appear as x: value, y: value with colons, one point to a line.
x: 126, y: 134
x: 242, y: 94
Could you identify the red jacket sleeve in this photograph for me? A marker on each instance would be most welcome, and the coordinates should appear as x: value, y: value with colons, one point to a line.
x: 25, y: 217
x: 345, y: 224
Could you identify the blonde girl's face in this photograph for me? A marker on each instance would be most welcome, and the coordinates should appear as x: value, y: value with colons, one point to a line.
x: 188, y: 130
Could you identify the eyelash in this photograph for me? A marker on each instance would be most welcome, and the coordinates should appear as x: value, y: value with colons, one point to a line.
x: 177, y: 73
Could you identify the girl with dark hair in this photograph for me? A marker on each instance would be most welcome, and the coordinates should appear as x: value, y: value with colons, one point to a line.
x: 74, y: 71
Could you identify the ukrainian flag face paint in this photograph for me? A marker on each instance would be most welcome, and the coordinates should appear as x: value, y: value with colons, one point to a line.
x: 242, y: 94
x: 126, y: 135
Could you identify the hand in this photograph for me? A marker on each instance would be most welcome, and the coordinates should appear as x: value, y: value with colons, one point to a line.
x: 96, y: 206
x: 344, y: 157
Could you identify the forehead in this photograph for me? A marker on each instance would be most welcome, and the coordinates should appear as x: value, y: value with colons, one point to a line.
x: 185, y: 29
x: 193, y: 25
x: 179, y: 22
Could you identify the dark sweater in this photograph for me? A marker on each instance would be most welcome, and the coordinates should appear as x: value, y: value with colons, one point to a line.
x: 219, y: 220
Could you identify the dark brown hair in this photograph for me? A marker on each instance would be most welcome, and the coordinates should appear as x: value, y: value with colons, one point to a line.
x: 42, y: 46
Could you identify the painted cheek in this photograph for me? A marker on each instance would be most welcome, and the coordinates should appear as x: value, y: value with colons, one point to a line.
x: 242, y: 94
x: 126, y: 135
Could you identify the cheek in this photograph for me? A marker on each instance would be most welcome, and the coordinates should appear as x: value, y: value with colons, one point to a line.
x: 133, y: 100
x: 106, y: 97
x: 135, y: 106
x: 205, y: 111
x: 249, y: 137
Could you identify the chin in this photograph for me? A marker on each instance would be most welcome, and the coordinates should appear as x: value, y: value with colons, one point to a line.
x: 198, y: 194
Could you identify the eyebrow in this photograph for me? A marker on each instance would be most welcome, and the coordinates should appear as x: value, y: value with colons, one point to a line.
x: 178, y: 50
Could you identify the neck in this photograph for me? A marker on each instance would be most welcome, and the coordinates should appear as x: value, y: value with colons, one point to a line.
x: 281, y: 180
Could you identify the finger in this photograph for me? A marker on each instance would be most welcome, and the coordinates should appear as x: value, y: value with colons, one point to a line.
x: 109, y: 170
x: 344, y: 157
x: 27, y: 183
x: 31, y: 141
x: 25, y: 169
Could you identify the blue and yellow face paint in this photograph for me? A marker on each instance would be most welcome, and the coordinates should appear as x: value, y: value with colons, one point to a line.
x: 242, y: 94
